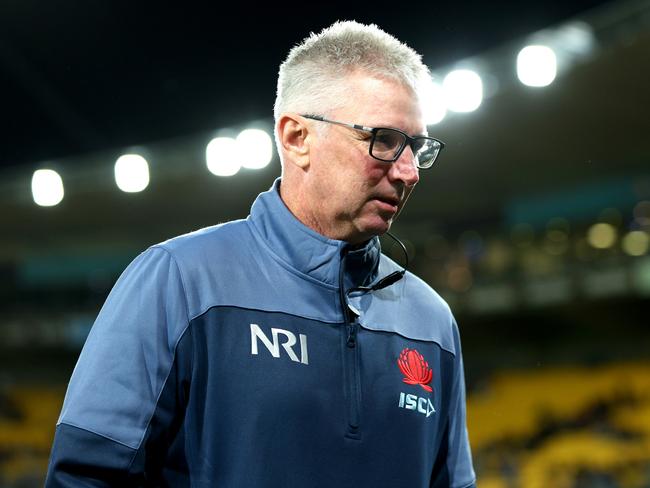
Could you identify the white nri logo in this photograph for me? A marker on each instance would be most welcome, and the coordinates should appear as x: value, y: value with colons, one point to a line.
x: 413, y: 402
x: 274, y: 345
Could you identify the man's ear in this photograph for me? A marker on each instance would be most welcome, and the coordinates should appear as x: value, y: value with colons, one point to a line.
x: 293, y: 135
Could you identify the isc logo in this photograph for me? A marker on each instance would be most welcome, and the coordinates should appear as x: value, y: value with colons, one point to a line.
x: 413, y: 402
x: 274, y: 345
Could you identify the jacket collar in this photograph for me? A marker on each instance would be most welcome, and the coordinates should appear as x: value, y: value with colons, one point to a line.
x: 306, y: 251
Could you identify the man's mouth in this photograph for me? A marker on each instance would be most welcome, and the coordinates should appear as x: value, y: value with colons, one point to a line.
x: 388, y: 203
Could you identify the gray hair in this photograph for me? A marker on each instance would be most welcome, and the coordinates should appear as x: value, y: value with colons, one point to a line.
x: 310, y: 79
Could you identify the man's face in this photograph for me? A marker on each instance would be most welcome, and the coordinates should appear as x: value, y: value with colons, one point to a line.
x: 354, y: 196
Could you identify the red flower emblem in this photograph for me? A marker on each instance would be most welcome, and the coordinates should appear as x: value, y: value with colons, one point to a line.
x: 415, y: 369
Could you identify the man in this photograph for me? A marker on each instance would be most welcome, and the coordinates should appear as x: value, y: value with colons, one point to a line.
x: 274, y: 351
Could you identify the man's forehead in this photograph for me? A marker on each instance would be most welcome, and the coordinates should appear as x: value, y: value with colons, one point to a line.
x: 378, y: 101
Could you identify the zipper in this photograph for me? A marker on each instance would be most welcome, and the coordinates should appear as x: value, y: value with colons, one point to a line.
x: 350, y: 362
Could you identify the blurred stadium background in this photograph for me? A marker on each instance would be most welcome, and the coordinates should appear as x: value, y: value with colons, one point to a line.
x: 535, y: 225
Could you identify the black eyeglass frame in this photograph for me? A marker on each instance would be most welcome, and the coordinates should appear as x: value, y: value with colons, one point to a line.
x: 408, y: 140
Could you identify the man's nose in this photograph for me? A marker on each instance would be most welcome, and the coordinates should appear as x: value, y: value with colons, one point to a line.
x: 405, y: 168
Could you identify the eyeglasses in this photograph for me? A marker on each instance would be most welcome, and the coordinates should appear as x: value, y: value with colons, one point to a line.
x: 388, y: 144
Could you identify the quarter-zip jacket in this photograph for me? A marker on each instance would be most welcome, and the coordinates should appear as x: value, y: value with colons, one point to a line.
x: 235, y: 356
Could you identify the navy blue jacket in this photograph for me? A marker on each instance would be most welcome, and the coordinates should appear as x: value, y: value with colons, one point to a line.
x: 234, y: 357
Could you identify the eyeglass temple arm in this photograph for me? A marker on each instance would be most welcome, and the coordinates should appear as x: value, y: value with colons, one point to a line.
x: 344, y: 124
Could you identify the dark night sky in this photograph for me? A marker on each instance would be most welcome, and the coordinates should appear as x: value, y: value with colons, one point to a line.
x: 82, y: 76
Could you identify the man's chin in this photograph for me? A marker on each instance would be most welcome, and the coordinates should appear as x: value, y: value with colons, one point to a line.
x: 378, y: 228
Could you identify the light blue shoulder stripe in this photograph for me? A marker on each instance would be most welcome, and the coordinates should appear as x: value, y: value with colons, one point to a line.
x: 129, y: 352
x: 227, y: 265
x: 409, y: 307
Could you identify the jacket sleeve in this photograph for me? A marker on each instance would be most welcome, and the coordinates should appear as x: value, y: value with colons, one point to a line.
x: 125, y: 397
x: 457, y: 470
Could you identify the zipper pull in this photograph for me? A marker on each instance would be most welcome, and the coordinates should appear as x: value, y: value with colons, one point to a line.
x: 352, y: 335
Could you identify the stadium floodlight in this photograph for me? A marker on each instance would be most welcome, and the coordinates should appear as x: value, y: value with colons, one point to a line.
x: 463, y: 90
x: 255, y: 148
x: 222, y: 156
x: 131, y: 173
x: 636, y: 243
x: 536, y: 65
x: 602, y: 235
x: 47, y: 187
x: 434, y: 108
x: 576, y: 38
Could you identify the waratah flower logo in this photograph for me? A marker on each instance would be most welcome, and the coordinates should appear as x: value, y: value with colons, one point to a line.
x: 415, y: 369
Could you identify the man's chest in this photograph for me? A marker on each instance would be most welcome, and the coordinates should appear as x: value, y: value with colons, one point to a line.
x: 278, y: 366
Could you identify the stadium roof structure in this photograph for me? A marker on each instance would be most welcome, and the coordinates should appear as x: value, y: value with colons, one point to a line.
x: 588, y: 128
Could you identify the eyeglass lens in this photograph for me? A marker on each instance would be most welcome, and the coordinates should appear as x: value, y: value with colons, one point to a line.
x: 388, y: 144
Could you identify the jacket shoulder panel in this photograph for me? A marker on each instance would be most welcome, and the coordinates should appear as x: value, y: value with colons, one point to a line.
x: 410, y: 308
x: 129, y: 352
x: 229, y: 265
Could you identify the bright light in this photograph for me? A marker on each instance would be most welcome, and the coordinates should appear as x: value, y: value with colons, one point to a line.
x: 463, y: 90
x: 131, y: 173
x: 601, y: 236
x: 636, y: 243
x: 433, y: 104
x: 255, y: 148
x: 221, y: 156
x: 576, y: 37
x: 47, y: 187
x: 536, y: 66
